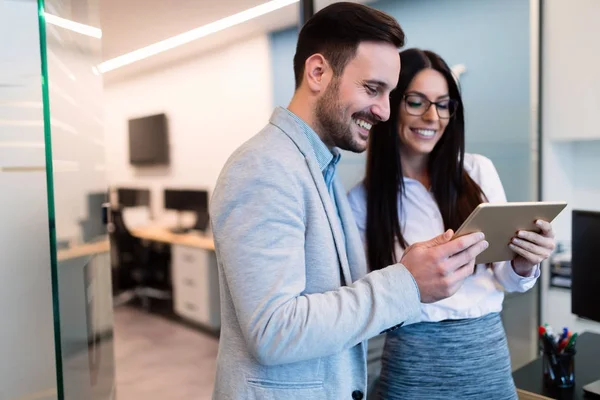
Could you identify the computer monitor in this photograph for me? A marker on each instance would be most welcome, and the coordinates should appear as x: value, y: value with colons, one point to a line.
x: 585, y: 264
x: 585, y: 272
x: 188, y: 200
x: 94, y: 227
x: 133, y: 197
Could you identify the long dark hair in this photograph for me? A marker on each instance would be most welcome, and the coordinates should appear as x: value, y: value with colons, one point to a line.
x: 456, y: 194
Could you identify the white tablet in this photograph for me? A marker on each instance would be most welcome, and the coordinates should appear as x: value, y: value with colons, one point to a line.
x: 500, y: 222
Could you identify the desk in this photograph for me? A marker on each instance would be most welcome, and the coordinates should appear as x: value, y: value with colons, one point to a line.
x: 85, y: 294
x: 194, y: 273
x: 164, y: 235
x: 82, y: 250
x: 152, y: 233
x: 529, y: 379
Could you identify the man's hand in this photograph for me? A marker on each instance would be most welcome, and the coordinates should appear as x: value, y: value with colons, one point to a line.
x: 440, y: 266
x: 532, y: 248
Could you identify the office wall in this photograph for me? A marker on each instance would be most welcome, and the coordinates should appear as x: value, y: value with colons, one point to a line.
x: 213, y: 102
x: 571, y: 101
x: 491, y: 38
x: 570, y: 132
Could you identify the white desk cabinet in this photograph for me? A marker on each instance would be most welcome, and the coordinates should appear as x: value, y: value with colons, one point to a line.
x: 196, y: 285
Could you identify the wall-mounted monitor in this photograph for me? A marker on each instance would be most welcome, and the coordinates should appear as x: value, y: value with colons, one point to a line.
x: 148, y: 140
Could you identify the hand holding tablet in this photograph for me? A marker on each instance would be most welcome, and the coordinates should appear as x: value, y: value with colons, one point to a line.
x: 500, y: 222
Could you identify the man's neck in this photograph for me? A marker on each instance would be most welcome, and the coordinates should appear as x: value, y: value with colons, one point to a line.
x: 305, y: 111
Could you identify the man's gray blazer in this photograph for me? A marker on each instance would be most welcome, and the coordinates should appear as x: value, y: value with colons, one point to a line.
x: 296, y: 303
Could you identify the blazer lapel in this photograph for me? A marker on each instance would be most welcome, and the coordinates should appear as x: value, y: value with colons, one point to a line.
x: 281, y: 119
x: 335, y: 226
x: 354, y: 246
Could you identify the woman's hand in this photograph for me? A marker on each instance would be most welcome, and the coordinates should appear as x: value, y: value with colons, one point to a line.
x: 532, y: 248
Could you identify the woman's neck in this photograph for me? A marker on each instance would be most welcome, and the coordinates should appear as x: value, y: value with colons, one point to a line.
x: 414, y: 166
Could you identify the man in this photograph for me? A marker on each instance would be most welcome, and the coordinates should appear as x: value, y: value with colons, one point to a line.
x: 296, y: 302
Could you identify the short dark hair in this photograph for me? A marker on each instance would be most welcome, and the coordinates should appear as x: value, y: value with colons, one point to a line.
x: 338, y: 29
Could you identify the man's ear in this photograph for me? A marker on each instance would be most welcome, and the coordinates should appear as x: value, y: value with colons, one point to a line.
x: 317, y: 73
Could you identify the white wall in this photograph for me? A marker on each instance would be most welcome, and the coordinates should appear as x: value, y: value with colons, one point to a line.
x: 571, y: 132
x: 213, y: 103
x: 571, y: 102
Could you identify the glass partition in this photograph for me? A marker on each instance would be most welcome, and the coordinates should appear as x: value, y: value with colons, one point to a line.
x: 72, y: 90
x: 55, y: 282
x: 28, y: 368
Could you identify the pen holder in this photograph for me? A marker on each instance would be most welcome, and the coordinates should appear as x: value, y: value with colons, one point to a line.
x: 559, y: 369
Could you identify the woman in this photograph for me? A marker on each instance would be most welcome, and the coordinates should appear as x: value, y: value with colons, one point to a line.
x: 419, y: 183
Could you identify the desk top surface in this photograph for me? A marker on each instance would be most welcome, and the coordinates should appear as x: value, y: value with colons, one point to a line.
x: 82, y: 250
x: 587, y: 370
x: 163, y: 234
x: 154, y: 233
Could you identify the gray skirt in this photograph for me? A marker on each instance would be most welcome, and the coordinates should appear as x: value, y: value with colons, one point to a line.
x: 454, y: 359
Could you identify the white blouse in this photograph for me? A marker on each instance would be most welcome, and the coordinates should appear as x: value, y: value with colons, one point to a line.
x: 420, y: 220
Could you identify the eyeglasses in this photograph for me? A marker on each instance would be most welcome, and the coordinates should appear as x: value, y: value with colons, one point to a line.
x: 418, y: 105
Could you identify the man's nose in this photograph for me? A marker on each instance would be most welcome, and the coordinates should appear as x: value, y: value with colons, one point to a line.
x: 382, y: 109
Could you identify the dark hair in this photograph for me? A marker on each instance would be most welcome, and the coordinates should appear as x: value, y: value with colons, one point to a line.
x: 337, y: 30
x: 455, y: 192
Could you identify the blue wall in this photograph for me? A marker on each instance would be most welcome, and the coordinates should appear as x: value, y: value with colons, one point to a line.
x: 491, y: 37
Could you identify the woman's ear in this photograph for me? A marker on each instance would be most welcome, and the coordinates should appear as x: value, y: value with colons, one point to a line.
x: 317, y: 73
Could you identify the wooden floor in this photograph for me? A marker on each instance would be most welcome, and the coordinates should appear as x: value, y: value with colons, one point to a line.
x: 158, y: 359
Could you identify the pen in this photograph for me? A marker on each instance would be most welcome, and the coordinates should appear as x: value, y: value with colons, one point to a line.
x: 541, y: 330
x: 565, y: 334
x: 563, y: 344
x: 571, y: 344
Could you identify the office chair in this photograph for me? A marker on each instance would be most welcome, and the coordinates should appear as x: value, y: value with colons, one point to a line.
x: 133, y: 267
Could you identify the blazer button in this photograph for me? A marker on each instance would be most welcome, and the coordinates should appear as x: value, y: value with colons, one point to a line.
x: 357, y: 395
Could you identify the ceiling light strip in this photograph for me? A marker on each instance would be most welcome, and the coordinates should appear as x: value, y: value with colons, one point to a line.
x: 194, y: 34
x: 73, y: 26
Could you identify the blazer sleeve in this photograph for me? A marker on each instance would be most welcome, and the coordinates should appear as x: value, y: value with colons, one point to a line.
x: 257, y: 213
